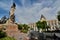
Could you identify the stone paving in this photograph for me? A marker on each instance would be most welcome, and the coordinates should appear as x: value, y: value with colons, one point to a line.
x: 20, y: 36
x: 24, y: 36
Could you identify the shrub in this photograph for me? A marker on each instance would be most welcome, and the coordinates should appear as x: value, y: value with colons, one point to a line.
x: 20, y: 27
x: 2, y: 34
x: 7, y: 38
x: 24, y: 31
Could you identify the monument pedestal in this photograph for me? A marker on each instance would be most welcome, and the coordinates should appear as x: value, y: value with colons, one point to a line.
x: 11, y: 29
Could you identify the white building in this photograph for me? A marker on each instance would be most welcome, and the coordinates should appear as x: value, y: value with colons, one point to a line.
x: 53, y: 24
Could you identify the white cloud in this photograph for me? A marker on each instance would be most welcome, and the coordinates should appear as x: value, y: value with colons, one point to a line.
x: 5, y: 4
x: 32, y: 13
x: 27, y: 14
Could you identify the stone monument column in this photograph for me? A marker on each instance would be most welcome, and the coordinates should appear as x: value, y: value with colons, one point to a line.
x: 11, y: 27
x: 12, y: 16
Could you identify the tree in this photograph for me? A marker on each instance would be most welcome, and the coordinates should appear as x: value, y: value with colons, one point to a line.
x: 44, y: 24
x: 58, y: 16
x: 3, y: 20
x: 38, y: 25
x: 20, y: 26
x: 41, y: 25
x: 25, y: 26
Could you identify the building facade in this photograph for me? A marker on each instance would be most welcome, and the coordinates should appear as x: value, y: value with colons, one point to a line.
x: 53, y: 24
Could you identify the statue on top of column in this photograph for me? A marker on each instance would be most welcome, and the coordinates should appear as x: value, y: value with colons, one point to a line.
x: 12, y: 16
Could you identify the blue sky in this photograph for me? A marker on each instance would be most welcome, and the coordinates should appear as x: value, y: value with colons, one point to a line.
x: 29, y: 11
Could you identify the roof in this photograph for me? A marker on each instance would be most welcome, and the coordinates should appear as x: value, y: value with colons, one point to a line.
x: 42, y: 17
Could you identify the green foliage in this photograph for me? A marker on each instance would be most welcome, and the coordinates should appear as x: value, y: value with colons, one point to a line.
x: 7, y: 38
x: 41, y: 25
x: 26, y: 27
x: 24, y: 31
x: 2, y: 34
x: 58, y: 16
x: 20, y: 26
x: 23, y: 27
x: 38, y: 25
